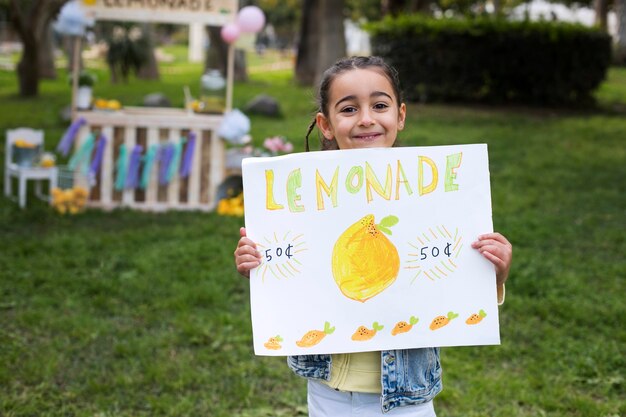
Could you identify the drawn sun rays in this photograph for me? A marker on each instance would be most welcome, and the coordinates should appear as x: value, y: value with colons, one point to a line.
x: 280, y: 256
x: 434, y: 253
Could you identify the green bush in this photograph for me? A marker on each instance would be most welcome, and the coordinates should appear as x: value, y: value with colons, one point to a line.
x: 493, y: 60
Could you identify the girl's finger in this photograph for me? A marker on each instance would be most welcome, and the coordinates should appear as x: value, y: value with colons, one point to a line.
x: 494, y: 259
x: 246, y: 245
x: 495, y: 236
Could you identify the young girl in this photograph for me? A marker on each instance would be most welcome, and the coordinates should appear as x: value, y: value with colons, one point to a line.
x: 360, y: 107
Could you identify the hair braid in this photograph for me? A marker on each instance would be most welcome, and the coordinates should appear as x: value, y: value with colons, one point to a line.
x: 308, y: 132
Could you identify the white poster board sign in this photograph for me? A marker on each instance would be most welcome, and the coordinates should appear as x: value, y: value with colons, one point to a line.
x: 370, y: 249
x: 209, y: 12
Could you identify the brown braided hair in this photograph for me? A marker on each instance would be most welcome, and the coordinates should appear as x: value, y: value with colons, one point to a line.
x: 339, y: 67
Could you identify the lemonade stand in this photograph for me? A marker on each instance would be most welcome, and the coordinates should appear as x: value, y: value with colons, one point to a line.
x: 155, y: 158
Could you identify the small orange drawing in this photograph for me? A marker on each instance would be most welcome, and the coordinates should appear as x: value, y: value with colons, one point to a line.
x: 313, y: 337
x: 440, y: 321
x: 363, y: 333
x: 273, y: 343
x: 403, y: 326
x: 364, y: 261
x: 476, y: 318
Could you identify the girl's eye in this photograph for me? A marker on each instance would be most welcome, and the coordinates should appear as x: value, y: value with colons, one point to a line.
x: 381, y: 106
x: 348, y: 109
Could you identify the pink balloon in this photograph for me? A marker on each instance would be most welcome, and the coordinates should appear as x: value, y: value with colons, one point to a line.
x: 250, y: 19
x: 230, y: 32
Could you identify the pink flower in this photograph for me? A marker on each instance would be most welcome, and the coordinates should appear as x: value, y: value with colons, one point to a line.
x: 287, y: 147
x: 277, y: 144
x: 272, y: 144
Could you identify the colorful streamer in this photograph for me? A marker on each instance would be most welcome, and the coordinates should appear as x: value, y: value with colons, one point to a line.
x: 122, y: 166
x: 165, y: 159
x: 148, y: 163
x: 175, y: 162
x: 185, y: 168
x: 97, y: 158
x: 132, y: 177
x: 82, y: 156
x: 65, y: 144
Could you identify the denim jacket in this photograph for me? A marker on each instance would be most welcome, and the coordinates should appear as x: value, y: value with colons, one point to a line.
x: 408, y: 377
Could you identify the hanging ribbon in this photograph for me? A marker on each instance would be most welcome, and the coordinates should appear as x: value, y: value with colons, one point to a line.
x: 65, y: 144
x: 175, y: 163
x: 82, y: 156
x: 97, y: 158
x: 132, y: 178
x: 185, y: 168
x: 148, y: 163
x: 165, y: 159
x: 121, y: 164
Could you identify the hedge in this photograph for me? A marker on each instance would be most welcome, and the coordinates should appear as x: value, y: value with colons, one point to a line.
x: 493, y: 60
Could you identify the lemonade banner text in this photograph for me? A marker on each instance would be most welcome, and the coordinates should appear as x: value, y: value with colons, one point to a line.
x: 209, y: 12
x: 370, y: 249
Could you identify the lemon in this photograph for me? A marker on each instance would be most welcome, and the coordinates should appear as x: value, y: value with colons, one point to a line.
x: 365, y: 262
x: 101, y: 103
x: 114, y: 105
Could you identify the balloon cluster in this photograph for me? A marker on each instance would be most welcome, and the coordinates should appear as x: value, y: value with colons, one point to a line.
x: 250, y: 19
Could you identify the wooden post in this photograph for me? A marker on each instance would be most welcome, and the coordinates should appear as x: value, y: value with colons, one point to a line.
x: 75, y: 75
x: 230, y: 71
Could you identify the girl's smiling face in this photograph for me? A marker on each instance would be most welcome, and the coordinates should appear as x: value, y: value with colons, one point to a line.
x: 363, y: 111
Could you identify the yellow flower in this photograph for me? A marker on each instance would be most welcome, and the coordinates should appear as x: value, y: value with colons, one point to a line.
x: 231, y: 206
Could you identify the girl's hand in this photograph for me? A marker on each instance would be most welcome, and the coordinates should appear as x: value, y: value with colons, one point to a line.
x: 247, y: 256
x: 499, y: 251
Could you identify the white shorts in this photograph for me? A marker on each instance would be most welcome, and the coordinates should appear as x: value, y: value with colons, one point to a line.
x: 327, y: 402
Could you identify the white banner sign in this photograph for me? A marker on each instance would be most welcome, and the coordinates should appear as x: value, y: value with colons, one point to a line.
x: 209, y: 12
x: 370, y: 249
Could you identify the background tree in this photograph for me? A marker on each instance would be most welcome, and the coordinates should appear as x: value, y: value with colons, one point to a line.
x: 620, y: 43
x: 284, y: 16
x: 217, y: 55
x: 47, y: 70
x: 149, y: 69
x: 31, y: 19
x: 602, y: 11
x: 396, y: 7
x: 322, y: 39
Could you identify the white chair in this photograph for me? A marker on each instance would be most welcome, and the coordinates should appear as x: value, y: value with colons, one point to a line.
x: 24, y: 173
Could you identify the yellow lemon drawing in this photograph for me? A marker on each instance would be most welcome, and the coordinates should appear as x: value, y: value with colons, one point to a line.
x: 365, y: 262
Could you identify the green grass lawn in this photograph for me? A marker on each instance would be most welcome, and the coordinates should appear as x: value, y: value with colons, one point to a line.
x: 137, y: 314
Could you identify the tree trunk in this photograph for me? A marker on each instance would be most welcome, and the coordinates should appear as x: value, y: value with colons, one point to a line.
x: 309, y: 42
x: 620, y: 44
x: 30, y: 21
x: 602, y: 12
x: 322, y: 39
x: 28, y: 67
x: 47, y: 70
x: 497, y: 7
x: 217, y: 56
x: 150, y: 69
x: 333, y: 39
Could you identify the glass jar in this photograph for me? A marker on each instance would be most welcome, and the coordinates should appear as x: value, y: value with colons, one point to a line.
x: 212, y: 92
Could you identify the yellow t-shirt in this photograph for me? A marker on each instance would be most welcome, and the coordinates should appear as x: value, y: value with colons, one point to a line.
x: 356, y: 372
x: 360, y: 372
